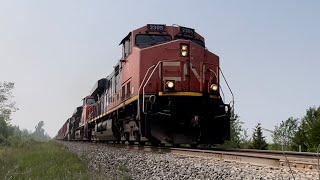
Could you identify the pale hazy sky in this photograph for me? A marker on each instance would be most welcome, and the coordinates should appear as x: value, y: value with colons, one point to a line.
x: 55, y: 51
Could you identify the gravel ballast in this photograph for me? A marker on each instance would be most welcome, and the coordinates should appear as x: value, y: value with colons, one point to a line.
x: 136, y: 164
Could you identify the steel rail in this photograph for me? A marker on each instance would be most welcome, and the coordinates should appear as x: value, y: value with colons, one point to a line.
x: 273, y: 159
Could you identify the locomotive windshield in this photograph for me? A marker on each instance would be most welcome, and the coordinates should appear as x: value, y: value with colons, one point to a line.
x: 197, y: 41
x: 146, y: 40
x: 90, y: 101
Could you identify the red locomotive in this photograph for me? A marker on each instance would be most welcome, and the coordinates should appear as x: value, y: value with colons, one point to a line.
x: 164, y: 89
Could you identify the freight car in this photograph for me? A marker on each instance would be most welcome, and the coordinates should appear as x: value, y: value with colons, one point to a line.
x: 166, y: 88
x: 68, y: 130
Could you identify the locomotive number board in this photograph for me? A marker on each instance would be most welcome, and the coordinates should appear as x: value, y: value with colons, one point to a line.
x: 185, y: 30
x: 156, y: 27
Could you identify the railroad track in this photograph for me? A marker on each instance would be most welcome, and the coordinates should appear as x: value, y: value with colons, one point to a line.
x: 276, y: 159
x: 293, y: 160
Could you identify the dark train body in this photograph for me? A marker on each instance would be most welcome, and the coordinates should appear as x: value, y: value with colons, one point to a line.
x: 164, y: 89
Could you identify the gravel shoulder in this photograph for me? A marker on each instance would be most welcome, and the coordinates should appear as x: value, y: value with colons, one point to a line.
x: 135, y: 164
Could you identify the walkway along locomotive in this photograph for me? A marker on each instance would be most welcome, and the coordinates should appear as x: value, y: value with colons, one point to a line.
x: 165, y: 89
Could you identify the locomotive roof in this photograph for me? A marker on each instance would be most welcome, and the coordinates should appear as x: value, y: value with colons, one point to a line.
x: 99, y: 86
x: 77, y: 110
x: 174, y: 30
x: 127, y: 36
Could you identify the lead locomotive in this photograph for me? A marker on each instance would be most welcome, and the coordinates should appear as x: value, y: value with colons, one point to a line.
x: 164, y: 89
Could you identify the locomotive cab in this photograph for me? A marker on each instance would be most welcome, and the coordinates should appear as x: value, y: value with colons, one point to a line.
x: 166, y: 88
x: 88, y: 109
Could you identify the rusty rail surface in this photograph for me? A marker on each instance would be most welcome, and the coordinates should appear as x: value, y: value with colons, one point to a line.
x: 299, y: 160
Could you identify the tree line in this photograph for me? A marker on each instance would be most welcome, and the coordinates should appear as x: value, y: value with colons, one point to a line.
x: 7, y: 107
x: 292, y: 134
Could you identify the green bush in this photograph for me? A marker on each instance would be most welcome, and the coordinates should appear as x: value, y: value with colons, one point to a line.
x: 21, y: 141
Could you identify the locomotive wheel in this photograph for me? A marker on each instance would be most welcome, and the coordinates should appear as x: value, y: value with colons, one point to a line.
x: 127, y: 136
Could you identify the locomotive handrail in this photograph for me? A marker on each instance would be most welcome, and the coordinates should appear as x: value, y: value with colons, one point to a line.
x: 228, y: 87
x: 145, y: 84
x: 218, y: 83
x: 138, y: 108
x: 225, y: 80
x: 90, y: 114
x: 143, y: 93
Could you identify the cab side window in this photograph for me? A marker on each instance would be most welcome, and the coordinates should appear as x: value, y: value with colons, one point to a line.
x: 126, y: 48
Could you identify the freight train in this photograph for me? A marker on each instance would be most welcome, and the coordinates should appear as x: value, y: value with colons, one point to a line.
x: 165, y: 89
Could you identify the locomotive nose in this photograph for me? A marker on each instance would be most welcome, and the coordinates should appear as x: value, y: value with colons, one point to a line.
x: 185, y: 72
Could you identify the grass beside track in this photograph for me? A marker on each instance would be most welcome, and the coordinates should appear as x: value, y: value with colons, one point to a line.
x: 26, y: 158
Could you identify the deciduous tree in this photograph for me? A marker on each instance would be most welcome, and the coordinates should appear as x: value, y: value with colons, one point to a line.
x: 7, y: 106
x: 284, y: 133
x: 308, y: 132
x: 39, y: 132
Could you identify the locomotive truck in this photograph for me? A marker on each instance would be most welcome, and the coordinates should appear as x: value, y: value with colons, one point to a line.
x: 166, y: 88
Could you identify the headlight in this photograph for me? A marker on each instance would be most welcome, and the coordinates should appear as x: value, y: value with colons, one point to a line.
x: 184, y: 48
x: 214, y: 87
x: 170, y: 84
x: 184, y: 53
x: 226, y: 108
